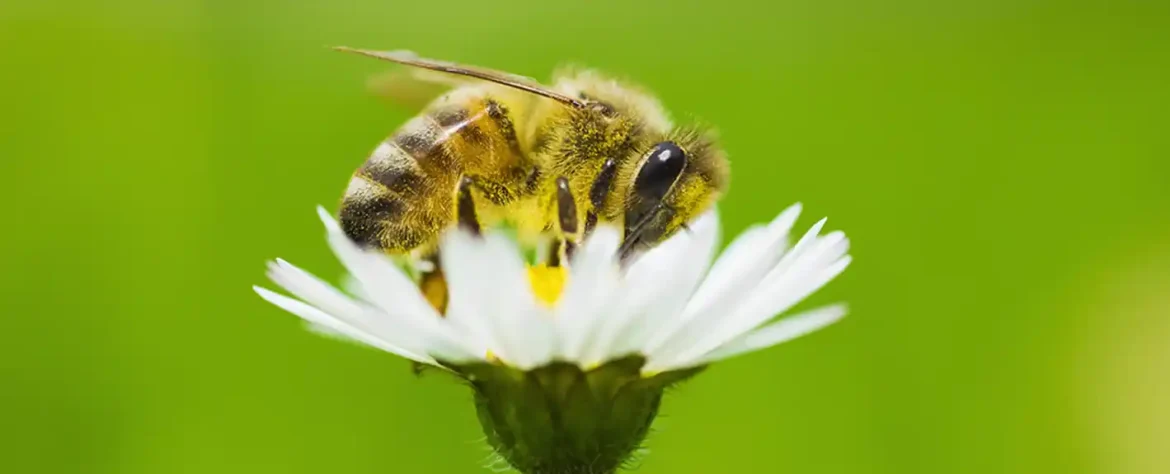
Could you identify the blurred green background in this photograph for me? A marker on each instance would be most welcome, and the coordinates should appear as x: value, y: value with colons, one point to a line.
x: 1000, y: 166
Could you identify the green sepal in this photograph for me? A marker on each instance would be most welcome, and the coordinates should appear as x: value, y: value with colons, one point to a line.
x: 558, y: 419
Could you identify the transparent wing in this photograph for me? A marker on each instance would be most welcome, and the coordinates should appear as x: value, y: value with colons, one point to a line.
x: 506, y: 79
x: 412, y: 89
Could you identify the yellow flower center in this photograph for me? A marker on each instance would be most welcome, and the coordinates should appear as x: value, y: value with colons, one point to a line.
x: 547, y: 283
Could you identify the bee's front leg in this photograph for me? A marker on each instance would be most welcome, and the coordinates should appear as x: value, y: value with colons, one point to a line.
x: 598, y: 192
x: 566, y: 242
x: 466, y: 207
x: 433, y: 286
x: 432, y: 282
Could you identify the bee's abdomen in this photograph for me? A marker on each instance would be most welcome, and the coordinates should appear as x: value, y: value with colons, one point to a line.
x: 402, y: 196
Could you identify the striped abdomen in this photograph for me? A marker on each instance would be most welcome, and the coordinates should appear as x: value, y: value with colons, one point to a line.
x: 404, y: 195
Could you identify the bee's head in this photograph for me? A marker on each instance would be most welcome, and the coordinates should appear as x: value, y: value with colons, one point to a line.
x: 673, y: 182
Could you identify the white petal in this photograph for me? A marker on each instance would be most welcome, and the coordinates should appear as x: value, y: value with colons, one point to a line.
x: 678, y: 280
x: 742, y: 263
x: 327, y: 332
x: 778, y: 332
x: 755, y: 247
x: 323, y: 296
x: 671, y: 304
x: 401, y: 332
x: 823, y: 263
x: 521, y: 325
x: 492, y: 301
x: 337, y: 325
x: 802, y: 246
x: 381, y: 280
x: 466, y: 288
x: 395, y: 295
x: 736, y: 273
x: 646, y: 282
x: 309, y: 288
x: 593, y: 281
x: 354, y: 287
x: 798, y: 274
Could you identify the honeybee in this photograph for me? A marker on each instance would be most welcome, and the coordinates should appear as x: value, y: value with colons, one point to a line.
x: 498, y: 148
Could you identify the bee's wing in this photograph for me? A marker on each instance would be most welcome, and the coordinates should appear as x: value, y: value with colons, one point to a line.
x: 510, y: 80
x: 412, y: 88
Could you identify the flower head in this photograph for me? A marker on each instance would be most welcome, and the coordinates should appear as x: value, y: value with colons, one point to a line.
x: 569, y: 364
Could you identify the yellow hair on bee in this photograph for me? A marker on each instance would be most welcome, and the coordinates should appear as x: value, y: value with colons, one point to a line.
x: 492, y: 149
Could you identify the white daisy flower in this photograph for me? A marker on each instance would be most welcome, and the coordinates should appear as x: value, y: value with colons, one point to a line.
x: 515, y: 329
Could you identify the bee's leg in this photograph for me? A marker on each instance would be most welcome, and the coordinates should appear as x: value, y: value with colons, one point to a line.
x: 433, y: 285
x: 597, y: 193
x: 566, y: 244
x: 466, y: 207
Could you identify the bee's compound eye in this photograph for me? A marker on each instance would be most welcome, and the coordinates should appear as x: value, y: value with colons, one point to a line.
x: 665, y: 162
